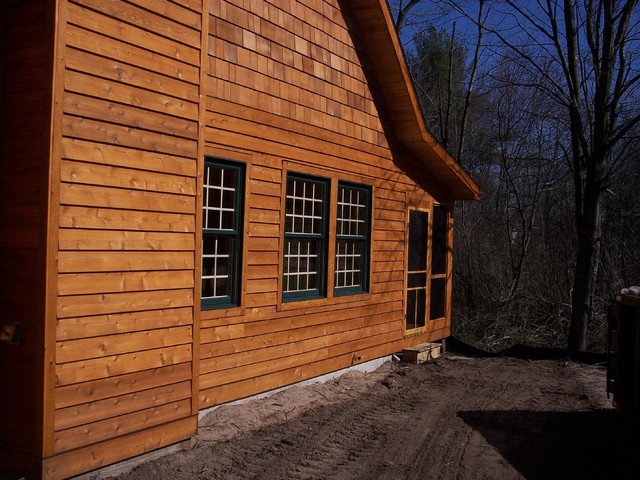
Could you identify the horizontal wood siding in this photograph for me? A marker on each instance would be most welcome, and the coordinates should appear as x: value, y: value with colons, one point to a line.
x: 25, y: 83
x: 125, y: 285
x: 143, y: 90
x: 287, y: 90
x: 83, y: 459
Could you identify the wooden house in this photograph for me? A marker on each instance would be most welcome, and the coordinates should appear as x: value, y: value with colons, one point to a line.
x: 202, y: 200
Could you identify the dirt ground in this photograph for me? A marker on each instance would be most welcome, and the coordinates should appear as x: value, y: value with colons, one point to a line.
x: 454, y: 418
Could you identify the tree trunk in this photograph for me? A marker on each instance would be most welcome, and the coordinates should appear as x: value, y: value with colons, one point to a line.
x: 402, y: 13
x: 587, y: 257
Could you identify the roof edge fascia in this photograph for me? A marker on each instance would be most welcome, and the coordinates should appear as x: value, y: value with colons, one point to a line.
x: 421, y: 131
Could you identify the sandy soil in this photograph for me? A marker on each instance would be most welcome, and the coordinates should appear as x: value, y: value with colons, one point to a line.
x: 453, y: 418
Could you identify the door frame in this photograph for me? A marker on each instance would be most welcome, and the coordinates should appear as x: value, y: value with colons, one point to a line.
x: 407, y: 272
x: 441, y: 323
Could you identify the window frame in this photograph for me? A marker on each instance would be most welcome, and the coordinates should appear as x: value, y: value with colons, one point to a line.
x: 234, y: 235
x: 364, y: 240
x: 321, y: 238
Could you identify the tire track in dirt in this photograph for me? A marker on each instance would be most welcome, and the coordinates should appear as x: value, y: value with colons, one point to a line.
x: 327, y: 442
x: 456, y: 450
x: 454, y: 418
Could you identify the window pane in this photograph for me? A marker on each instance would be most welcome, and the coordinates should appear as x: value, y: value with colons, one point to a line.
x: 228, y: 198
x: 208, y: 267
x: 308, y: 225
x: 437, y: 306
x: 227, y: 221
x: 207, y: 288
x: 230, y: 178
x: 411, y: 309
x: 421, y: 307
x: 308, y: 207
x: 214, y: 220
x: 298, y: 206
x: 417, y: 280
x: 439, y: 243
x: 222, y: 287
x: 213, y: 196
x: 213, y: 175
x: 418, y: 232
x: 416, y: 308
x: 291, y: 284
x: 223, y: 266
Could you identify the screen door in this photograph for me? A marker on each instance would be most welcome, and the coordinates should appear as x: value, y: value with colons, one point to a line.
x: 416, y: 312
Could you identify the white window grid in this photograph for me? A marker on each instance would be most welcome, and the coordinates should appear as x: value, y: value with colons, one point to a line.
x: 218, y: 191
x: 351, y: 212
x: 348, y: 264
x: 307, y: 210
x: 216, y: 275
x: 300, y: 266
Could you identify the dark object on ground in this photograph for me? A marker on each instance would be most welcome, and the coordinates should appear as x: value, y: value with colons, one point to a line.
x: 526, y: 352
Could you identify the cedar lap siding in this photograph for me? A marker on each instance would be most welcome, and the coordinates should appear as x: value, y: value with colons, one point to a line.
x: 140, y: 300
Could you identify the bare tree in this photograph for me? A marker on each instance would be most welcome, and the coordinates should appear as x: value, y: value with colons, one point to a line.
x: 481, y: 19
x: 587, y: 45
x: 403, y: 11
x: 508, y: 285
x: 583, y: 55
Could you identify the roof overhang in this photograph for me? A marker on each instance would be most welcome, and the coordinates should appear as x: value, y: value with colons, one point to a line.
x: 375, y: 27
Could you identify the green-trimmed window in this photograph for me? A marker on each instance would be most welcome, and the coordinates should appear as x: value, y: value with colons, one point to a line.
x: 222, y: 220
x: 353, y: 226
x: 305, y: 237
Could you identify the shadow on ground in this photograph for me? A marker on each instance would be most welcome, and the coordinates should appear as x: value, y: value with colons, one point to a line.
x: 598, y: 444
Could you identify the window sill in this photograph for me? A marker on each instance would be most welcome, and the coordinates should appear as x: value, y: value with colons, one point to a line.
x: 323, y: 302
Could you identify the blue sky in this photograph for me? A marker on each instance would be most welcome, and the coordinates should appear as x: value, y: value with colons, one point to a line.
x: 441, y: 14
x: 429, y: 12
